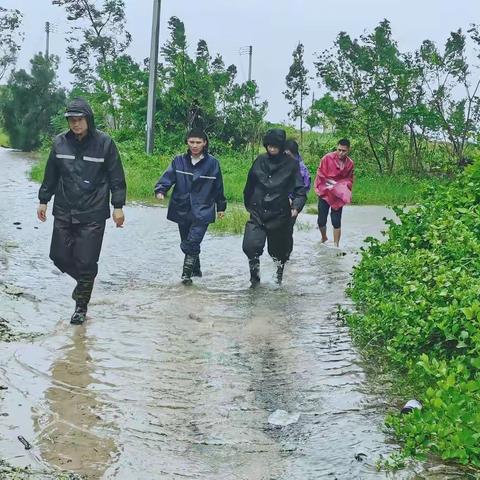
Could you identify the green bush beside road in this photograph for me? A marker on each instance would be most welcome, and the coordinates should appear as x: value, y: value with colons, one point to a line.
x: 417, y: 299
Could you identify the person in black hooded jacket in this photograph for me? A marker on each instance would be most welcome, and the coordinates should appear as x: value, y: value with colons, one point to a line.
x: 84, y: 173
x: 273, y: 176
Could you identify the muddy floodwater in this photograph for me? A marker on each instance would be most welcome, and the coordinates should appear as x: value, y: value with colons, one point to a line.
x: 170, y: 382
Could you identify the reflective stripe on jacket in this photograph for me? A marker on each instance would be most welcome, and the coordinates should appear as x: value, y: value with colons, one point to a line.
x: 82, y: 175
x: 197, y: 189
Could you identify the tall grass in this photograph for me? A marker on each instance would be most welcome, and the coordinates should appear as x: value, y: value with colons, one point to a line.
x: 4, y: 140
x: 233, y: 222
x: 143, y: 171
x: 391, y: 190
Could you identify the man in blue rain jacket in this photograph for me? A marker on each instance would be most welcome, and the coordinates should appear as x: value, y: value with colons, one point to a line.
x: 198, y: 190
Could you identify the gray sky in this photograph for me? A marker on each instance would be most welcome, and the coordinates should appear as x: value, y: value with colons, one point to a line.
x: 273, y: 27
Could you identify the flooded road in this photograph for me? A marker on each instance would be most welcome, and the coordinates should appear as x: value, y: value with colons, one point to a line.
x: 168, y: 382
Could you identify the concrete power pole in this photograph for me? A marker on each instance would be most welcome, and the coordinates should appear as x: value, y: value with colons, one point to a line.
x: 152, y: 81
x: 47, y: 43
x: 250, y: 51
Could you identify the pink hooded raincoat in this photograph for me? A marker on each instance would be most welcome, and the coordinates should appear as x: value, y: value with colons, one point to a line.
x: 339, y: 194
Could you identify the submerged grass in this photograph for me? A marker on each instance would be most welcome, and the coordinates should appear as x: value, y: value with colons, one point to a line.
x: 234, y: 221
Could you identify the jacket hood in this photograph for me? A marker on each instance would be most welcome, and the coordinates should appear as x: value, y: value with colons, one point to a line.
x: 276, y: 137
x: 79, y: 106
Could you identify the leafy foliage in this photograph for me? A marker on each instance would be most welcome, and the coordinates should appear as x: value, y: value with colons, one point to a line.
x: 10, y: 38
x: 417, y: 296
x: 401, y: 103
x: 297, y: 87
x: 30, y: 101
x: 97, y: 38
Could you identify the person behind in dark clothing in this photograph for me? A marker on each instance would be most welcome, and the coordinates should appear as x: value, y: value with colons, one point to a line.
x: 198, y: 188
x: 291, y: 148
x: 273, y: 176
x: 84, y: 173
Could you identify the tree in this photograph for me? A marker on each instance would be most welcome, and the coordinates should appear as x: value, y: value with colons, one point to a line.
x: 188, y: 98
x: 370, y: 75
x: 242, y: 116
x: 129, y: 81
x: 30, y: 102
x: 297, y: 87
x: 202, y: 92
x: 457, y: 114
x: 97, y: 38
x: 10, y: 38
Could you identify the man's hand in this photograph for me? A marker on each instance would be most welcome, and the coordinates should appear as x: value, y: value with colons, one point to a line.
x: 220, y: 215
x: 160, y: 196
x: 42, y: 212
x: 118, y: 217
x: 294, y: 212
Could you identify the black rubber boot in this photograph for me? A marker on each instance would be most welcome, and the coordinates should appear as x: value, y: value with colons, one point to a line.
x: 82, y: 294
x: 196, y: 272
x: 280, y: 268
x: 79, y: 315
x: 254, y: 264
x: 188, y: 264
x: 83, y: 291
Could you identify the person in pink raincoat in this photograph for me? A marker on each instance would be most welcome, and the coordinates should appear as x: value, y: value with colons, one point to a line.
x: 333, y: 185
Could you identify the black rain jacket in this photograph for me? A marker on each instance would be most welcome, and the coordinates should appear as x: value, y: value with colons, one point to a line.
x: 83, y: 174
x: 266, y: 193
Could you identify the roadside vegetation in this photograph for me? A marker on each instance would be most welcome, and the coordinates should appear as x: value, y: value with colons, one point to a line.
x: 417, y: 298
x: 4, y: 140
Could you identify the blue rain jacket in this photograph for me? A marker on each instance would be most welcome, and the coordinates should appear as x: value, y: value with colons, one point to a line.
x: 197, y: 189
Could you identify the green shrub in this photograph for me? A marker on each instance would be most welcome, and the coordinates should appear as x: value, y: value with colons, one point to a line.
x: 418, y: 303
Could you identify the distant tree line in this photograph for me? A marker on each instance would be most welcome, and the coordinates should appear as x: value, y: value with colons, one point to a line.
x: 402, y: 105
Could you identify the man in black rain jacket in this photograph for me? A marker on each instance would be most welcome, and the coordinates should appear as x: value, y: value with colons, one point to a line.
x: 272, y: 177
x: 83, y: 171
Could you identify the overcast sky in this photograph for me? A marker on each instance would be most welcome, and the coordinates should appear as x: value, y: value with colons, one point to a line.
x: 273, y: 27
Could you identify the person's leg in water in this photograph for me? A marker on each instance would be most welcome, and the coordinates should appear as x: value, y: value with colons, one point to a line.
x: 61, y: 247
x: 184, y: 229
x: 254, y: 239
x: 323, y: 208
x: 88, y: 238
x: 192, y: 236
x: 336, y: 216
x: 280, y: 246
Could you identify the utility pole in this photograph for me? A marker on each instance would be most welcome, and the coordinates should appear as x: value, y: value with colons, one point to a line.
x: 152, y: 81
x: 47, y: 44
x: 248, y: 51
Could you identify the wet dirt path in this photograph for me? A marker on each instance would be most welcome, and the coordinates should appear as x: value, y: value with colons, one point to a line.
x: 168, y: 382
